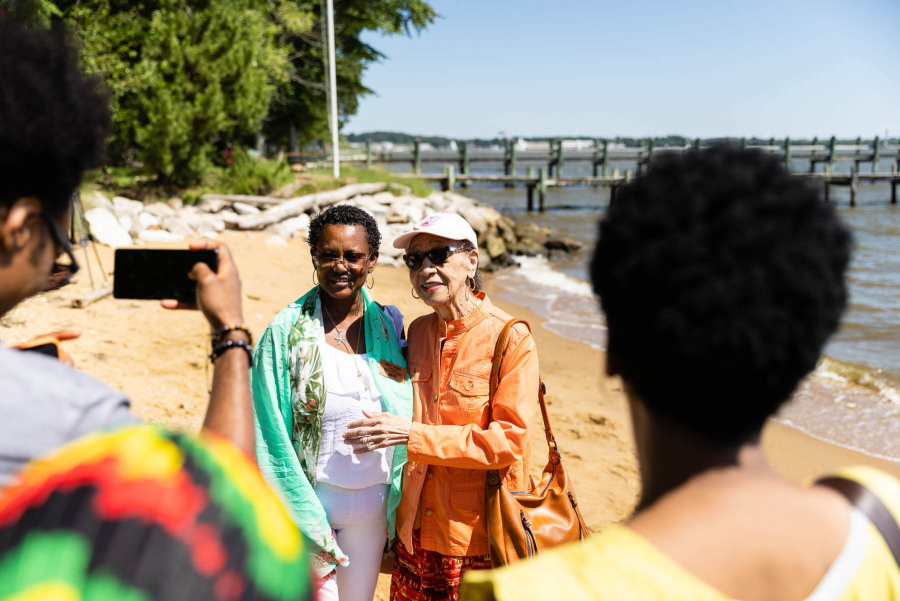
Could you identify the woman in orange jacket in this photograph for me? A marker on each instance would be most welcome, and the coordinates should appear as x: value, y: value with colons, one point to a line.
x: 457, y: 434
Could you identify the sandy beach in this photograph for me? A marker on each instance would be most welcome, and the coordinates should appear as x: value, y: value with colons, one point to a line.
x: 158, y: 358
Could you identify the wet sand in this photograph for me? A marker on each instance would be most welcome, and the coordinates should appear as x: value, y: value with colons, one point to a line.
x: 158, y: 358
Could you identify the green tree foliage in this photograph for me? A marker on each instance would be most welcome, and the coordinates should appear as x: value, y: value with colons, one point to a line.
x: 184, y: 75
x: 188, y: 76
x: 302, y: 100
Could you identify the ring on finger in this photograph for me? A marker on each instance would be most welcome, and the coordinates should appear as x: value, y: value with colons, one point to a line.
x: 370, y: 444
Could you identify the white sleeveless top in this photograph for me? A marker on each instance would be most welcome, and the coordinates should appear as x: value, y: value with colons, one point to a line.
x: 348, y: 396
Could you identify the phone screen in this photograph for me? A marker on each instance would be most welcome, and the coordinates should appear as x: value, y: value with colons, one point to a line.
x: 154, y: 274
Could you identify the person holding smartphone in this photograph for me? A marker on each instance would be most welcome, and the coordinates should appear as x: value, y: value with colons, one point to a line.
x: 53, y: 125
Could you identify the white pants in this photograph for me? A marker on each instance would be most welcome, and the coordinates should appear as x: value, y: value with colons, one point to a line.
x: 359, y: 520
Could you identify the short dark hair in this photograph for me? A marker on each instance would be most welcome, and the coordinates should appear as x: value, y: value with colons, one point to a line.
x: 479, y: 282
x: 721, y: 276
x: 344, y: 215
x: 54, y: 119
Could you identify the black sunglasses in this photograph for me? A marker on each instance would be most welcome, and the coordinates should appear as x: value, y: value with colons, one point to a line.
x: 438, y: 256
x: 62, y: 272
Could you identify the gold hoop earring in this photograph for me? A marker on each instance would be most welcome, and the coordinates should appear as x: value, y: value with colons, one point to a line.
x: 373, y: 281
x: 315, y: 278
x: 470, y: 282
x: 413, y: 292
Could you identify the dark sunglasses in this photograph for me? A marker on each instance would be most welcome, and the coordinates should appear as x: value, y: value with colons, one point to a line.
x: 438, y: 256
x: 62, y: 272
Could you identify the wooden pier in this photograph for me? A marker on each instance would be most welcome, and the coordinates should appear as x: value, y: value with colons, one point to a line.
x: 545, y: 168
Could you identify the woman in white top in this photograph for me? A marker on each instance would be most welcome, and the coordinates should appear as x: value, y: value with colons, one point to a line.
x: 333, y: 357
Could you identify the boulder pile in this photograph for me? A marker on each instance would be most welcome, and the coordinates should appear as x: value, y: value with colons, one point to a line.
x: 121, y: 222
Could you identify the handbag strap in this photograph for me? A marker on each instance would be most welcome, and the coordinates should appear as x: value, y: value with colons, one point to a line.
x: 869, y: 503
x: 499, y: 350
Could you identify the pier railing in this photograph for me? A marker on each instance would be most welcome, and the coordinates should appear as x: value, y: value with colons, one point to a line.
x: 545, y: 168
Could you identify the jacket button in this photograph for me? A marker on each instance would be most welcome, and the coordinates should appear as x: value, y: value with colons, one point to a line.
x: 451, y: 328
x: 429, y: 475
x: 435, y: 398
x: 428, y: 512
x: 468, y: 386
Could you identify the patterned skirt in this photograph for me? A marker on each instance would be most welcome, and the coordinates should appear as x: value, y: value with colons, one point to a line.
x: 429, y: 576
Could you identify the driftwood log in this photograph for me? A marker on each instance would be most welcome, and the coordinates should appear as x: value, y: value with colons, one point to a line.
x: 301, y: 204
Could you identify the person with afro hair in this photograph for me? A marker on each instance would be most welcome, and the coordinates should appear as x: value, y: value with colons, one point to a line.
x: 721, y: 276
x: 330, y: 358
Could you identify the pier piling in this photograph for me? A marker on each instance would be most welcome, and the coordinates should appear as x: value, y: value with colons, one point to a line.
x: 464, y: 162
x: 542, y: 190
x: 787, y: 153
x: 368, y: 154
x: 854, y: 183
x: 876, y: 152
x: 530, y: 185
x: 450, y: 174
x: 417, y: 157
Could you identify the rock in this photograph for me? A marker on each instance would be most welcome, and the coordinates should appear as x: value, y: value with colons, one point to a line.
x: 212, y: 205
x: 159, y: 209
x: 529, y: 247
x: 399, y: 213
x: 209, y: 223
x: 124, y: 207
x: 126, y: 222
x: 148, y: 220
x: 564, y: 244
x: 279, y: 230
x: 229, y: 218
x: 493, y: 244
x: 176, y: 225
x: 245, y: 209
x: 507, y: 229
x: 478, y: 218
x: 385, y: 198
x: 106, y: 229
x: 210, y: 235
x: 159, y: 236
x: 276, y: 241
x: 96, y: 200
x: 175, y: 202
x: 296, y: 224
x: 531, y: 231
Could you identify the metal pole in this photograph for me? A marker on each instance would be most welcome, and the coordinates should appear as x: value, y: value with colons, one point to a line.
x: 332, y: 82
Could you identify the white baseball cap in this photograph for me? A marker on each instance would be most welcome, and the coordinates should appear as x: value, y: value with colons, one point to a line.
x: 445, y: 225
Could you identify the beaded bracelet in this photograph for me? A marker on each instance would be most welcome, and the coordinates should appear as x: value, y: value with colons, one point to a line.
x: 230, y: 344
x: 231, y: 328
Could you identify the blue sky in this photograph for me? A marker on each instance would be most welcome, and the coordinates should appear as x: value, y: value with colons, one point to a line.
x: 596, y: 68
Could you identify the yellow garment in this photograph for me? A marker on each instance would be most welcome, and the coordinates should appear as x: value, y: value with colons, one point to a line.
x: 620, y: 564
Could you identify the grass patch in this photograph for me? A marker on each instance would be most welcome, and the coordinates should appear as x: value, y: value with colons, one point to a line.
x: 246, y: 175
x: 418, y: 186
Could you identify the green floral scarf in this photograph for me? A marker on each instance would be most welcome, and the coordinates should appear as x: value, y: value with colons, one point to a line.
x: 289, y: 394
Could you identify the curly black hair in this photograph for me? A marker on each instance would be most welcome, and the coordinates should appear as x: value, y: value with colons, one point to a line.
x: 54, y: 119
x: 721, y: 276
x: 344, y: 215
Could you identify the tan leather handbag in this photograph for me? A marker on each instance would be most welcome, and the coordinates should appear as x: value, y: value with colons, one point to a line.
x: 522, y: 523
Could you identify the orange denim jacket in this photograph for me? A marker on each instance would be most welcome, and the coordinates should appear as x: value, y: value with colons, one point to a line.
x: 451, y: 444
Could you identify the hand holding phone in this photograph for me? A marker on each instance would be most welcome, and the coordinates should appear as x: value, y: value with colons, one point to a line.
x: 218, y: 293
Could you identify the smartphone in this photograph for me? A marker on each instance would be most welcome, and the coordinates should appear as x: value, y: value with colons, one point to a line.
x: 46, y: 345
x: 155, y: 274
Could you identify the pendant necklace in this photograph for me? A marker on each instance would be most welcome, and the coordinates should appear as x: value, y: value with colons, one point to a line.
x: 343, y: 342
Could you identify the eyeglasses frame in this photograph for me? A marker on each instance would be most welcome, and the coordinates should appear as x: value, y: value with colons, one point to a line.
x: 61, y: 240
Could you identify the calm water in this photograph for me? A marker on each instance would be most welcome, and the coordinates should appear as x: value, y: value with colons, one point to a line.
x: 853, y: 399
